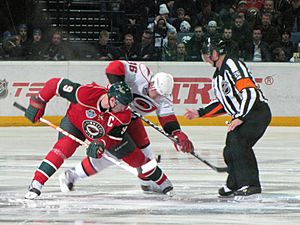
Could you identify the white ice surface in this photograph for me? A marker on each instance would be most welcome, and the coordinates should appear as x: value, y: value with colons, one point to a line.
x: 114, y: 196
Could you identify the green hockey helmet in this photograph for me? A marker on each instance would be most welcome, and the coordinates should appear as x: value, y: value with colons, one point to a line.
x: 121, y: 92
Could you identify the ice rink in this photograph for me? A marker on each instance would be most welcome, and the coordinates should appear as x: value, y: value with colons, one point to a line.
x: 114, y: 196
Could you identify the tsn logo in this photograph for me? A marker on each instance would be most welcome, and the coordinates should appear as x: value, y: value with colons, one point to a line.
x: 27, y: 89
x: 187, y: 90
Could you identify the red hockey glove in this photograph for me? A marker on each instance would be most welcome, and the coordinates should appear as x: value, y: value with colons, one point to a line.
x: 183, y: 144
x: 35, y: 109
x: 95, y: 149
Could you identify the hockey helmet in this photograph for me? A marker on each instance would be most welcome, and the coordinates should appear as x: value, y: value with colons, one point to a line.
x: 211, y: 44
x: 163, y: 83
x: 121, y: 92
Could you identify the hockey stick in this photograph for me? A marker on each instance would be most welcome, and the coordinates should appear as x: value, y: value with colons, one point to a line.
x: 59, y: 129
x: 218, y: 169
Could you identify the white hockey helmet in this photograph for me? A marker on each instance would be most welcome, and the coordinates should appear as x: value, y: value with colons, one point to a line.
x: 163, y: 83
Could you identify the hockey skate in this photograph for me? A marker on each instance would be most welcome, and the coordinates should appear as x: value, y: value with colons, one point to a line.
x: 248, y: 193
x: 34, y: 190
x: 151, y: 187
x: 225, y: 192
x: 67, y: 180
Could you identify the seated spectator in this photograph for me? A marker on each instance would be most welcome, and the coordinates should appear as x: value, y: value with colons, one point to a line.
x: 164, y: 11
x: 12, y: 49
x: 256, y: 4
x: 212, y: 30
x: 231, y: 46
x: 137, y: 17
x: 180, y: 17
x: 195, y: 45
x: 275, y: 16
x: 170, y: 48
x: 296, y: 54
x: 241, y: 33
x: 57, y: 50
x: 23, y: 33
x: 270, y: 33
x: 145, y: 49
x: 206, y: 15
x: 286, y: 44
x: 105, y: 51
x: 257, y: 50
x: 279, y: 55
x: 189, y: 6
x: 127, y: 50
x: 35, y: 49
x: 181, y: 54
x: 160, y: 27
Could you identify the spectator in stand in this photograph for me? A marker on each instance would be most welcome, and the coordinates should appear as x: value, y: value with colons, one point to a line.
x: 275, y: 16
x: 189, y: 6
x: 231, y: 46
x: 118, y: 18
x: 164, y: 11
x: 296, y: 14
x: 195, y: 45
x: 290, y: 12
x: 296, y: 54
x: 105, y: 51
x: 207, y: 15
x: 270, y: 33
x: 181, y: 53
x: 257, y: 50
x: 12, y: 49
x: 255, y: 4
x: 279, y: 55
x: 212, y: 30
x: 180, y: 17
x: 249, y: 15
x: 145, y: 48
x: 35, y: 49
x: 6, y: 35
x: 169, y: 50
x: 241, y: 33
x: 160, y: 27
x: 57, y: 50
x: 286, y: 44
x: 137, y: 17
x: 226, y: 10
x: 127, y: 50
x: 23, y: 33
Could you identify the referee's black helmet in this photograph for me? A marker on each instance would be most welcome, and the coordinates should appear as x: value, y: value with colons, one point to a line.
x: 211, y: 44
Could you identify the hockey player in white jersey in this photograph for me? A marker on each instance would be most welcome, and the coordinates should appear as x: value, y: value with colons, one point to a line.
x: 151, y: 93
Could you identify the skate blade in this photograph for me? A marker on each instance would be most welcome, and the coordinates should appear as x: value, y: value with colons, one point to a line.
x: 249, y: 198
x: 31, y: 195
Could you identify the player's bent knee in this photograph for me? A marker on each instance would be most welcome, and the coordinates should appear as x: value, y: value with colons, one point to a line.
x: 136, y: 158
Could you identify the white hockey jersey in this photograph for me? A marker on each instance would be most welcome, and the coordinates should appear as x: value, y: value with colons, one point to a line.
x: 137, y: 77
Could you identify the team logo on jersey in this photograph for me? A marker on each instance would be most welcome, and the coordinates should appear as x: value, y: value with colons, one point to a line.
x: 225, y: 87
x: 3, y: 88
x: 143, y: 104
x: 93, y: 129
x: 90, y: 114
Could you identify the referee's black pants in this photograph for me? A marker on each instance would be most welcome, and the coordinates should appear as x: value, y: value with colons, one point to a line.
x: 238, y: 153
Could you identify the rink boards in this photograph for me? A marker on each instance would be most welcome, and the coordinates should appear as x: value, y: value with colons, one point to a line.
x: 192, y: 89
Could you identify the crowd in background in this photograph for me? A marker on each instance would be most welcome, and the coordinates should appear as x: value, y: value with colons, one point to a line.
x: 258, y: 31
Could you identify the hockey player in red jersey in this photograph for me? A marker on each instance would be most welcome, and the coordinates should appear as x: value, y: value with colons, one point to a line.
x: 95, y: 113
x: 151, y: 93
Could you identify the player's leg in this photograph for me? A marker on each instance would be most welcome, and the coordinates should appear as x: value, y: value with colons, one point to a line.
x: 137, y: 132
x: 87, y: 167
x: 63, y: 149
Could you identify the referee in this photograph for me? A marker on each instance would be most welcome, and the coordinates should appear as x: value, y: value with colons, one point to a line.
x: 237, y: 95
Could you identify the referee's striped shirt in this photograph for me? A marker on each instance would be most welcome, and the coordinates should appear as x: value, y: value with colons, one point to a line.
x: 235, y: 89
